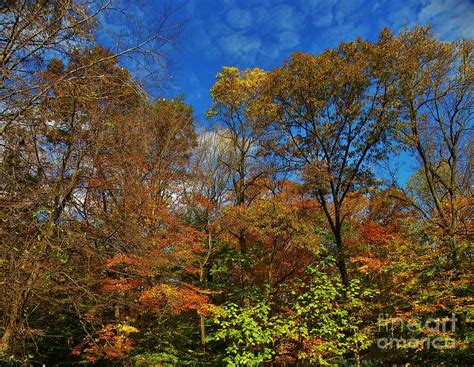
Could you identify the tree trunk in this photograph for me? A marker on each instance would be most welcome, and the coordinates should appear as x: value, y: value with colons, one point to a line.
x: 202, y: 327
x: 20, y: 296
x: 341, y: 261
x: 202, y: 279
x: 7, y: 337
x: 357, y: 358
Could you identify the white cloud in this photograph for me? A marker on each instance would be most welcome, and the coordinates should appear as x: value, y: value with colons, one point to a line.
x: 449, y: 18
x: 239, y: 18
x: 259, y: 34
x: 271, y: 51
x: 265, y: 33
x: 323, y: 19
x: 241, y: 46
x: 288, y: 39
x: 284, y: 17
x: 348, y: 9
x: 310, y: 5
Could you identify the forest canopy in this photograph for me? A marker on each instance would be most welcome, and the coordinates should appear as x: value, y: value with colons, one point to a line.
x: 133, y: 236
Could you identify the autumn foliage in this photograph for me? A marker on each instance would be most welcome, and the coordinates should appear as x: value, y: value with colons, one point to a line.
x: 131, y: 236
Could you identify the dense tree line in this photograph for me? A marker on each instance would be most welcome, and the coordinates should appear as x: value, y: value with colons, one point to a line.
x: 129, y: 236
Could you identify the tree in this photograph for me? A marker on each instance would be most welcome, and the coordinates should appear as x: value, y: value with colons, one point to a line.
x: 332, y: 112
x: 128, y: 237
x: 311, y: 327
x: 61, y: 96
x: 48, y: 160
x: 34, y: 32
x: 150, y: 262
x: 209, y: 193
x: 282, y: 237
x: 97, y: 167
x: 235, y: 107
x: 435, y: 96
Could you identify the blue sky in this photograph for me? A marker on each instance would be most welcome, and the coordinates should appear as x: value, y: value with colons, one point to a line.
x: 263, y: 33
